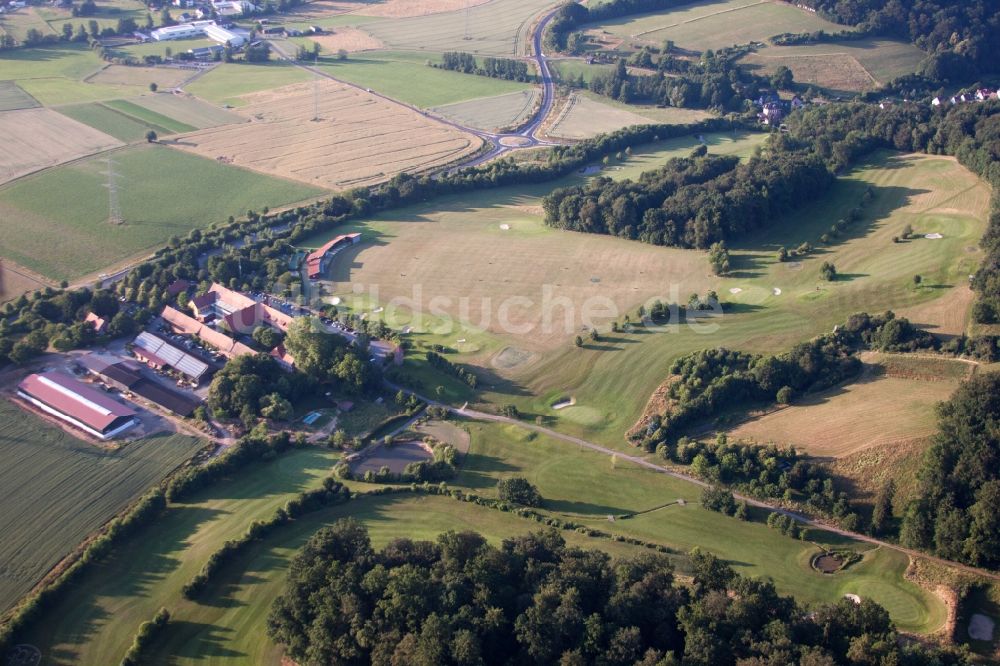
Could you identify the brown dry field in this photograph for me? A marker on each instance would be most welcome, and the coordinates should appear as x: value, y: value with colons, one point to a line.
x: 863, y: 473
x: 360, y: 138
x: 32, y: 139
x: 351, y: 40
x: 948, y: 315
x: 522, y: 283
x: 587, y: 117
x: 385, y: 8
x: 834, y: 71
x: 880, y: 409
x: 121, y: 75
x: 16, y: 280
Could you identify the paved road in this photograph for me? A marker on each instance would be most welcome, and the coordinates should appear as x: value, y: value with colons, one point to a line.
x: 527, y: 137
x: 642, y: 462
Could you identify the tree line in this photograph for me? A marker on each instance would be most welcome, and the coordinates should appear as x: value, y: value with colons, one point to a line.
x: 534, y: 600
x: 495, y: 68
x: 692, y: 202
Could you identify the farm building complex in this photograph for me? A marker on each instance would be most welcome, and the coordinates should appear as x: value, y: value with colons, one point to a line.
x: 78, y: 404
x: 240, y: 313
x: 127, y: 376
x: 158, y: 353
x: 319, y: 260
x: 197, y: 29
x: 185, y: 325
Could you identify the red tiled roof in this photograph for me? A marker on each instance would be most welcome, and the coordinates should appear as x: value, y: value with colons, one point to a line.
x: 76, y: 400
x: 98, y: 322
x: 177, y: 286
x: 191, y: 326
x: 315, y: 258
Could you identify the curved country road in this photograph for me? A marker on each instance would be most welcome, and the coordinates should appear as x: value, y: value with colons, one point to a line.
x: 642, y: 462
x: 527, y: 137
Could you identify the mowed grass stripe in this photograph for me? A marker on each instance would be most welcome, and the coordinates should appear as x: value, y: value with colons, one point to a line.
x: 110, y: 121
x: 56, y: 489
x: 168, y: 125
x: 13, y: 97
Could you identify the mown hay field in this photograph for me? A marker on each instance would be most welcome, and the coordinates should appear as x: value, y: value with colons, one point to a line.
x: 321, y: 9
x: 407, y: 77
x: 188, y: 110
x: 32, y: 139
x: 847, y: 67
x: 888, y: 405
x: 12, y: 97
x: 56, y: 489
x: 162, y: 192
x: 141, y: 77
x: 586, y: 116
x: 492, y: 113
x: 16, y: 280
x: 498, y: 27
x: 229, y: 83
x: 714, y: 24
x: 359, y: 138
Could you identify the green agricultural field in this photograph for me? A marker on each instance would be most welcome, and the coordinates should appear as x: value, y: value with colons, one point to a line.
x: 846, y: 67
x: 715, y: 24
x: 414, y: 82
x: 109, y: 12
x: 588, y: 487
x: 53, y: 75
x: 162, y: 192
x: 109, y: 120
x: 226, y: 83
x: 500, y: 27
x: 12, y: 97
x: 96, y: 620
x: 56, y: 489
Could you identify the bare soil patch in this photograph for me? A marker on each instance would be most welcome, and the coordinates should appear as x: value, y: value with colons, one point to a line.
x: 359, y: 138
x: 32, y: 139
x: 395, y: 457
x: 351, y: 40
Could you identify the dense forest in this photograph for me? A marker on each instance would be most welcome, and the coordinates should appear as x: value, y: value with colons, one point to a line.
x: 692, y: 202
x: 534, y: 600
x: 957, y: 513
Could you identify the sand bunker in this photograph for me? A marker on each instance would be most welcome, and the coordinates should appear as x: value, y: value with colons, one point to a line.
x: 933, y: 236
x: 563, y: 403
x: 853, y: 597
x: 981, y: 627
x: 505, y: 227
x: 776, y: 291
x: 735, y: 290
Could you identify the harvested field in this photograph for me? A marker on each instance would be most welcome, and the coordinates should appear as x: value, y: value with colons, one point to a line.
x: 188, y: 110
x: 712, y: 24
x: 498, y: 27
x: 888, y: 405
x: 351, y: 40
x: 13, y: 97
x: 56, y: 489
x: 32, y: 139
x: 16, y: 280
x: 382, y: 8
x: 140, y: 77
x: 493, y: 113
x: 586, y: 117
x: 863, y: 473
x: 848, y: 67
x: 360, y: 138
